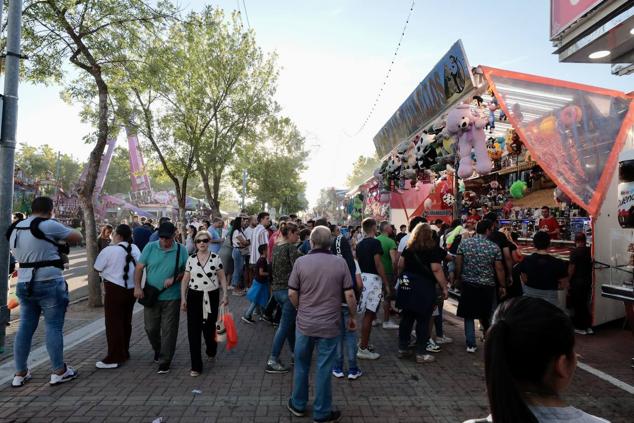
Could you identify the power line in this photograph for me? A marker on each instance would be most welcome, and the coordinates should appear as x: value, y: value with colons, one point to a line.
x: 246, y: 14
x: 389, y: 71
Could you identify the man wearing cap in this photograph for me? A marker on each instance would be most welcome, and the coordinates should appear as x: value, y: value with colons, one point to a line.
x: 155, y: 234
x: 164, y: 263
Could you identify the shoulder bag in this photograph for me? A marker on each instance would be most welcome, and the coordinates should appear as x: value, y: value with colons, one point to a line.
x: 150, y: 293
x: 410, y: 288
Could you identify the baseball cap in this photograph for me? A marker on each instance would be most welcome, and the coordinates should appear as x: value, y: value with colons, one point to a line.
x: 166, y: 230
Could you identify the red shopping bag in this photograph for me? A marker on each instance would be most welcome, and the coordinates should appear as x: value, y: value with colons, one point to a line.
x: 230, y: 328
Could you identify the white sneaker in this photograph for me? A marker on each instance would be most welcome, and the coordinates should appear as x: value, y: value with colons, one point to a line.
x: 69, y: 374
x: 472, y: 349
x: 440, y: 340
x: 21, y: 380
x: 366, y: 354
x: 589, y: 331
x: 581, y: 332
x: 390, y: 325
x: 102, y: 365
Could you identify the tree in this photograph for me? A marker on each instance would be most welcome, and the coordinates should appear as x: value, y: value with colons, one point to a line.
x: 92, y: 35
x: 43, y: 163
x: 362, y: 169
x: 242, y: 88
x: 274, y: 167
x: 118, y: 180
x: 186, y: 88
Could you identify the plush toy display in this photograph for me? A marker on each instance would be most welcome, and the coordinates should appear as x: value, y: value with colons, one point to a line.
x: 518, y: 189
x: 493, y: 106
x: 494, y: 149
x: 513, y: 142
x: 468, y: 127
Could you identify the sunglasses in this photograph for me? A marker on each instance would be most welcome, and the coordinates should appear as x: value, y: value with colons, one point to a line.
x: 204, y: 241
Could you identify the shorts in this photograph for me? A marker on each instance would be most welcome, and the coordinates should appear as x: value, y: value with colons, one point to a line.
x: 372, y: 293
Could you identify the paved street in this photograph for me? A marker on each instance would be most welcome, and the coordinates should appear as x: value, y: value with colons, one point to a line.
x: 236, y: 389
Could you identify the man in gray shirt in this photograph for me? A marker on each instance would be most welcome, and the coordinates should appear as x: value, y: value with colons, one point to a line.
x: 315, y: 287
x: 41, y: 288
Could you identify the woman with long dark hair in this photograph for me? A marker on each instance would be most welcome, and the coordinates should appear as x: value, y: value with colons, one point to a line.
x: 104, y: 237
x: 189, y: 240
x: 420, y: 269
x: 529, y: 360
x: 116, y: 264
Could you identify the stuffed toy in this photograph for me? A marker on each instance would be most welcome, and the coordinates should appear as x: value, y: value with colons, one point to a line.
x: 518, y: 189
x: 394, y: 168
x: 513, y: 143
x: 425, y: 153
x: 468, y: 127
x: 469, y: 199
x: 570, y: 116
x: 494, y: 149
x: 493, y: 106
x: 408, y: 173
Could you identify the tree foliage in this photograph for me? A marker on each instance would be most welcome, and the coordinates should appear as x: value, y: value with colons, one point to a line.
x: 43, y: 163
x: 362, y: 169
x: 91, y: 35
x: 274, y: 166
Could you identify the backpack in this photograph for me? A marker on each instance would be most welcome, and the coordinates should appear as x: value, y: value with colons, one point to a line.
x: 34, y: 227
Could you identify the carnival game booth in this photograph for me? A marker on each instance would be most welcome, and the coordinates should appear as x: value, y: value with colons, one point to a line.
x: 512, y: 143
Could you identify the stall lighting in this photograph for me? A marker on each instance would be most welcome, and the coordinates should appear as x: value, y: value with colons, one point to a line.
x: 632, y: 31
x: 533, y: 93
x: 599, y: 54
x: 521, y: 100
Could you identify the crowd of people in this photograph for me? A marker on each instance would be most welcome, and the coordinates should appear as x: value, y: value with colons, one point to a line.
x: 325, y: 288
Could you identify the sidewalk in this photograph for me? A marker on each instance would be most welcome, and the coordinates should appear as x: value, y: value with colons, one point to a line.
x: 236, y: 389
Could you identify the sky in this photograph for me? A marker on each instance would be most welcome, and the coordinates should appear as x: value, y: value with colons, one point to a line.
x: 333, y: 57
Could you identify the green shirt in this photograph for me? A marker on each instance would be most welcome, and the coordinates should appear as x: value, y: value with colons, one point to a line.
x: 159, y: 265
x: 387, y: 244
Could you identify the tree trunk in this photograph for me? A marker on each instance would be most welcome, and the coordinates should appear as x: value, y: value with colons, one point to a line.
x: 208, y: 193
x: 215, y: 195
x: 87, y: 189
x: 182, y: 201
x: 94, y: 282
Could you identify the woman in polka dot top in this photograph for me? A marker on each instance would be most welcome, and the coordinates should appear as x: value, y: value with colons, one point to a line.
x: 200, y: 298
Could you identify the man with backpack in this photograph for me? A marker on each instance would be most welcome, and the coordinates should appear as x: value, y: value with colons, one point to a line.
x: 41, y: 288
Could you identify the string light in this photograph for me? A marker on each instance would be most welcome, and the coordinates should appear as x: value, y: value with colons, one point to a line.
x: 389, y: 71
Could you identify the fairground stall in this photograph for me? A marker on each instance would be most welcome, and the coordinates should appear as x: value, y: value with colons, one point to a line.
x: 488, y: 139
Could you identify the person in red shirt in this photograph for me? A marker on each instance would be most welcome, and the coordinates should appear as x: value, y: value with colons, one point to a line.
x: 549, y: 224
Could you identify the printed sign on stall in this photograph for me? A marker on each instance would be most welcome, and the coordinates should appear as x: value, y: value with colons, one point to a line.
x: 563, y: 13
x: 444, y: 86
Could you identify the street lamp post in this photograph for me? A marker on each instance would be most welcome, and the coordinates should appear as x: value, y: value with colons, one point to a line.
x: 7, y: 149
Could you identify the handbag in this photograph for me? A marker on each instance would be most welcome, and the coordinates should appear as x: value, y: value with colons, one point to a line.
x: 150, y: 293
x: 410, y: 288
x: 221, y: 333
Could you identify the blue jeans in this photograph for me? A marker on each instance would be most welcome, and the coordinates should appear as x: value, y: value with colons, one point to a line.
x: 348, y: 340
x: 252, y: 308
x: 469, y: 330
x: 286, y: 329
x: 51, y: 299
x: 326, y: 351
x: 438, y: 323
x: 238, y: 266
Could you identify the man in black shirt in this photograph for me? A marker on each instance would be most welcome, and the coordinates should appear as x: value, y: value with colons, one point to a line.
x: 369, y: 253
x: 500, y: 239
x: 580, y: 271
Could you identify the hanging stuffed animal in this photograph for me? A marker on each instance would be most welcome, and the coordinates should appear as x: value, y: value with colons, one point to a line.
x: 518, y: 189
x: 492, y: 106
x: 514, y: 143
x: 468, y: 127
x: 494, y: 149
x: 394, y: 169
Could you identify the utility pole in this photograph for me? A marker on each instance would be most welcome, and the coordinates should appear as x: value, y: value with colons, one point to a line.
x: 7, y: 148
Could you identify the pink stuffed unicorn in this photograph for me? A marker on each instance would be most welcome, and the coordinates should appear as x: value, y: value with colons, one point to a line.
x: 468, y: 127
